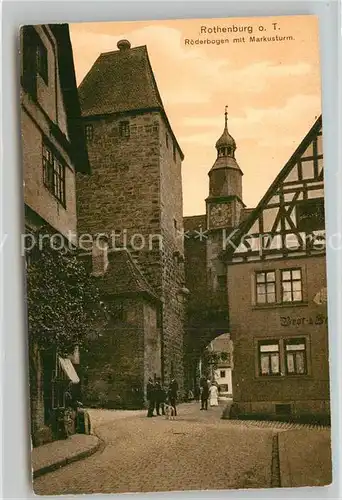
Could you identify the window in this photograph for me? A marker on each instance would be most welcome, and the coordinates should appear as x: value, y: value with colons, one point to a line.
x: 295, y: 353
x: 174, y: 151
x: 42, y: 60
x: 265, y: 287
x: 89, y: 132
x: 223, y: 387
x: 167, y: 140
x: 175, y: 227
x: 291, y: 285
x: 269, y: 359
x: 222, y: 283
x: 35, y: 60
x: 54, y: 173
x: 124, y: 129
x: 118, y: 312
x: 159, y: 318
x: 223, y: 373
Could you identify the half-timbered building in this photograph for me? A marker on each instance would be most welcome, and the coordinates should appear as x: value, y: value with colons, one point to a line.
x: 276, y: 281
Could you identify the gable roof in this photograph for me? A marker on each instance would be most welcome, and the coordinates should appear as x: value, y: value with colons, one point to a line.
x: 123, y: 276
x: 247, y: 223
x: 122, y: 81
x: 70, y: 97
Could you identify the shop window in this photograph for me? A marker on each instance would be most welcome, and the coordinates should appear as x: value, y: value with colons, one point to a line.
x: 296, y: 358
x: 265, y: 287
x: 291, y: 285
x: 269, y: 358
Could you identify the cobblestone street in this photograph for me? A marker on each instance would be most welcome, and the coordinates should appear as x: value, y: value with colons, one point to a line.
x: 196, y: 451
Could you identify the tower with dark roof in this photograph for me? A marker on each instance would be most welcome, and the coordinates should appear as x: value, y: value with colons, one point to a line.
x: 134, y: 194
x: 224, y: 203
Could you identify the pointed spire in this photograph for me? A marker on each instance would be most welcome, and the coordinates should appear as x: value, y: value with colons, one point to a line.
x: 226, y: 145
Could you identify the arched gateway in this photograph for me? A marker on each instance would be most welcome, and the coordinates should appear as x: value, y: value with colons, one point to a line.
x: 205, y: 272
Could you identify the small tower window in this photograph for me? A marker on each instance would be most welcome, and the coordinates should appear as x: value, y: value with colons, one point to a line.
x: 124, y: 129
x: 167, y: 140
x: 174, y: 151
x: 89, y: 132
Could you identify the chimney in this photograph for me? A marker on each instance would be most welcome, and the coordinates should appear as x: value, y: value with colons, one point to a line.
x: 123, y: 45
x: 100, y: 255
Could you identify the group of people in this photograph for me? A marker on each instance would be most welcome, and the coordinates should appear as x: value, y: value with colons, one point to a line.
x: 208, y: 391
x: 158, y: 396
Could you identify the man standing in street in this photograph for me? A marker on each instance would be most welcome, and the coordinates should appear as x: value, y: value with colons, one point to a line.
x: 173, y: 394
x: 151, y: 397
x: 204, y: 394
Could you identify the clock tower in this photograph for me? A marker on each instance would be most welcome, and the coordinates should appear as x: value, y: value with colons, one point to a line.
x: 224, y: 203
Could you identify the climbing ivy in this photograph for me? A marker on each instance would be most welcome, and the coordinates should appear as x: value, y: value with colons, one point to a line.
x: 62, y: 297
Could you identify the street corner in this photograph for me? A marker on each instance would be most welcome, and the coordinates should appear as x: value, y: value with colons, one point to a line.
x: 52, y: 456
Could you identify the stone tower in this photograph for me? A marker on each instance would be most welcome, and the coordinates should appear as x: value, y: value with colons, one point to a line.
x: 223, y: 206
x: 134, y: 194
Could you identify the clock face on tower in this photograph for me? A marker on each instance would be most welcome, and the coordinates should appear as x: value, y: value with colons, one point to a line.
x: 221, y: 215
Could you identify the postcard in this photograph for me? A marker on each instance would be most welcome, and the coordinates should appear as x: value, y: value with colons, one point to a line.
x: 175, y: 254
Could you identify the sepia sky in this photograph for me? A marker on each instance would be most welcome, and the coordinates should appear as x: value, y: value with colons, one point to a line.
x: 272, y: 90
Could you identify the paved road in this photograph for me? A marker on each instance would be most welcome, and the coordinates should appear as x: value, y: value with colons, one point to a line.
x: 195, y: 452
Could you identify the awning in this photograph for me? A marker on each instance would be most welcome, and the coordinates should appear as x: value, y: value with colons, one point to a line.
x: 69, y: 370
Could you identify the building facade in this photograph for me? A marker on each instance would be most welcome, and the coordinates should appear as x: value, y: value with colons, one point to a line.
x: 53, y: 150
x: 277, y: 294
x: 134, y: 194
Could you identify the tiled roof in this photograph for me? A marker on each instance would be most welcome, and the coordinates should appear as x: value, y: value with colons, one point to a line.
x: 122, y: 81
x: 123, y: 276
x: 119, y: 81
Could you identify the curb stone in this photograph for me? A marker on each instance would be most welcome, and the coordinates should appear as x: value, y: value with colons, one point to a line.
x: 65, y: 461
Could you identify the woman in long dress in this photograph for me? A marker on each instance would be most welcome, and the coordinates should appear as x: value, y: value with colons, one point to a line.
x: 213, y: 395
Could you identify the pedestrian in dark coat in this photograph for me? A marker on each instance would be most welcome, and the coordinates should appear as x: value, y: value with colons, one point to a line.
x: 173, y: 395
x: 151, y: 397
x: 204, y: 395
x: 160, y: 397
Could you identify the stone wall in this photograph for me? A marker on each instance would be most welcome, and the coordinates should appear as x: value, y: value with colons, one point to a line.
x: 113, y: 369
x: 172, y: 258
x: 135, y: 190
